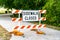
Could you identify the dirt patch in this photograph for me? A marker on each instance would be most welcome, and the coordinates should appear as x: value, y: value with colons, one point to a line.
x: 4, y: 34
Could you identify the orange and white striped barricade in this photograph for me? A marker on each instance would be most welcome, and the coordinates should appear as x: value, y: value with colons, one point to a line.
x: 30, y: 14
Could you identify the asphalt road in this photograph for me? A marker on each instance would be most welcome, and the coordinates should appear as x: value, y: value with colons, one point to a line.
x: 51, y: 34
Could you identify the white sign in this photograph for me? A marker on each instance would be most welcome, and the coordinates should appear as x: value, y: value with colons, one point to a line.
x: 30, y: 16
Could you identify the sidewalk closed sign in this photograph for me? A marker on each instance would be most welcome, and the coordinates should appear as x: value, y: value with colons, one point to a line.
x: 30, y: 16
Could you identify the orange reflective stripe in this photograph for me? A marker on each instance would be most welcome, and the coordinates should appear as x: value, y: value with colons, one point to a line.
x: 39, y: 25
x: 13, y: 19
x: 28, y: 26
x: 16, y: 11
x: 16, y: 27
x: 43, y: 18
x: 44, y: 25
x: 22, y: 27
x: 41, y: 11
x: 34, y: 26
x: 20, y: 19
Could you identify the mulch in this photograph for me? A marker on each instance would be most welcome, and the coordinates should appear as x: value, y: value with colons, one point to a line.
x: 4, y: 34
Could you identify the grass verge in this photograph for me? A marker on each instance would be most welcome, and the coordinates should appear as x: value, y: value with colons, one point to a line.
x: 4, y: 34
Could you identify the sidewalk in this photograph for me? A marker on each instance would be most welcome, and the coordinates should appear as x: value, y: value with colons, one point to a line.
x: 51, y: 34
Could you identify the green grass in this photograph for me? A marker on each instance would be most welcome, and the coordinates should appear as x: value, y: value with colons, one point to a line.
x: 53, y: 27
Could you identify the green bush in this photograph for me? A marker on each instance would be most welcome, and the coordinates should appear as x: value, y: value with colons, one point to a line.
x: 53, y: 12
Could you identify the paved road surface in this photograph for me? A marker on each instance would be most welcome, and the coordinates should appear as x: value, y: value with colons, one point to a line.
x: 51, y: 34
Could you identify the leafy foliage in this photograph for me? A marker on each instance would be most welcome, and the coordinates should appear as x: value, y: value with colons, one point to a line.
x: 52, y: 7
x: 23, y: 4
x: 53, y: 12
